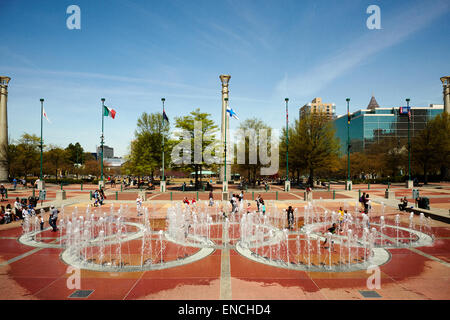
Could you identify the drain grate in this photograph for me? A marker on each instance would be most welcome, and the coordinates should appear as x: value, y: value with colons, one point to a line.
x: 81, y: 294
x: 369, y: 294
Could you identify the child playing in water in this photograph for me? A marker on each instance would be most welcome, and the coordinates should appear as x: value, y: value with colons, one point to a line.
x: 139, y: 205
x: 332, y: 230
x: 42, y: 222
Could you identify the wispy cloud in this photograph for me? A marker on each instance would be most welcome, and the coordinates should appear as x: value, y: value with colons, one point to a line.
x: 395, y: 29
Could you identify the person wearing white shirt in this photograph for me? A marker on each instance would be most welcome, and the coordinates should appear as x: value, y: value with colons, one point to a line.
x: 18, y: 208
x: 139, y: 205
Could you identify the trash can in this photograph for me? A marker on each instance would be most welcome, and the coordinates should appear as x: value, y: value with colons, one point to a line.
x: 424, y: 203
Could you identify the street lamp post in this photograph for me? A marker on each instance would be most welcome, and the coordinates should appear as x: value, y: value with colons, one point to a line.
x: 287, y: 184
x: 163, y: 182
x: 102, y: 139
x: 409, y: 183
x: 42, y: 112
x: 41, y: 183
x: 348, y: 184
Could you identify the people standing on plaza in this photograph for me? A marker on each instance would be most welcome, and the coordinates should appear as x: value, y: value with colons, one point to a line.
x: 41, y: 219
x: 3, y: 192
x: 139, y: 205
x: 362, y: 200
x: 341, y: 218
x: 96, y: 198
x: 53, y: 217
x: 31, y: 211
x: 2, y: 215
x: 258, y: 202
x: 241, y: 200
x: 15, y: 183
x: 367, y: 204
x: 290, y: 217
x: 263, y: 207
x: 24, y: 211
x: 211, y: 199
x: 233, y: 203
x: 9, y: 214
x: 102, y: 196
x: 18, y: 208
x: 186, y: 201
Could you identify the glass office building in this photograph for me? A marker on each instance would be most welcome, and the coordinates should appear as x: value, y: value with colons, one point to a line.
x: 369, y: 125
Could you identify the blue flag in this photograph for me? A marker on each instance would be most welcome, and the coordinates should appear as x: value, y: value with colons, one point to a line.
x: 232, y: 113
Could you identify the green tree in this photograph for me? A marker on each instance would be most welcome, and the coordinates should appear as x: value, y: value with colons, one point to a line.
x: 145, y: 155
x: 251, y: 125
x: 431, y: 148
x: 312, y: 145
x: 75, y: 153
x: 208, y: 129
x: 55, y: 159
x: 25, y: 158
x: 388, y: 155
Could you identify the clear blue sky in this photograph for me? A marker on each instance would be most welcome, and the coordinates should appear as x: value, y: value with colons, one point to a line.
x: 134, y: 52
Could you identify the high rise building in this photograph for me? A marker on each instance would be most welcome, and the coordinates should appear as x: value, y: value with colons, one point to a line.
x: 108, y: 152
x: 316, y: 106
x: 373, y: 123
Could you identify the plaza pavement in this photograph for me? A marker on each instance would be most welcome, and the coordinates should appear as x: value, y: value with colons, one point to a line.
x: 411, y: 273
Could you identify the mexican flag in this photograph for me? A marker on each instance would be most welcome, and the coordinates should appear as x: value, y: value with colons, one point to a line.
x: 109, y: 112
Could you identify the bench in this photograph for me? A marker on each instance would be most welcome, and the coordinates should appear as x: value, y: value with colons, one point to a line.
x: 429, y: 213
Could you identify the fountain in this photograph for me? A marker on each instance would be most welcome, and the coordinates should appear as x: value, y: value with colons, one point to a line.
x: 160, y: 233
x: 429, y: 227
x: 382, y: 226
x: 421, y: 220
x: 36, y: 225
x: 318, y: 252
x: 101, y: 239
x: 61, y: 229
x: 411, y: 226
x: 308, y: 243
x: 397, y: 222
x: 365, y: 239
x: 286, y: 239
x: 372, y: 238
x: 330, y: 244
x: 349, y: 246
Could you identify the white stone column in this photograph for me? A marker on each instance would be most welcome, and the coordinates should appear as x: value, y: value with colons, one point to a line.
x: 4, y: 128
x: 446, y: 93
x: 225, y: 79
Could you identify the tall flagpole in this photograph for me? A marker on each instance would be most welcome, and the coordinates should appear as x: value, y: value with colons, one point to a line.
x: 287, y: 140
x: 163, y: 177
x: 42, y: 112
x: 102, y: 139
x: 409, y: 141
